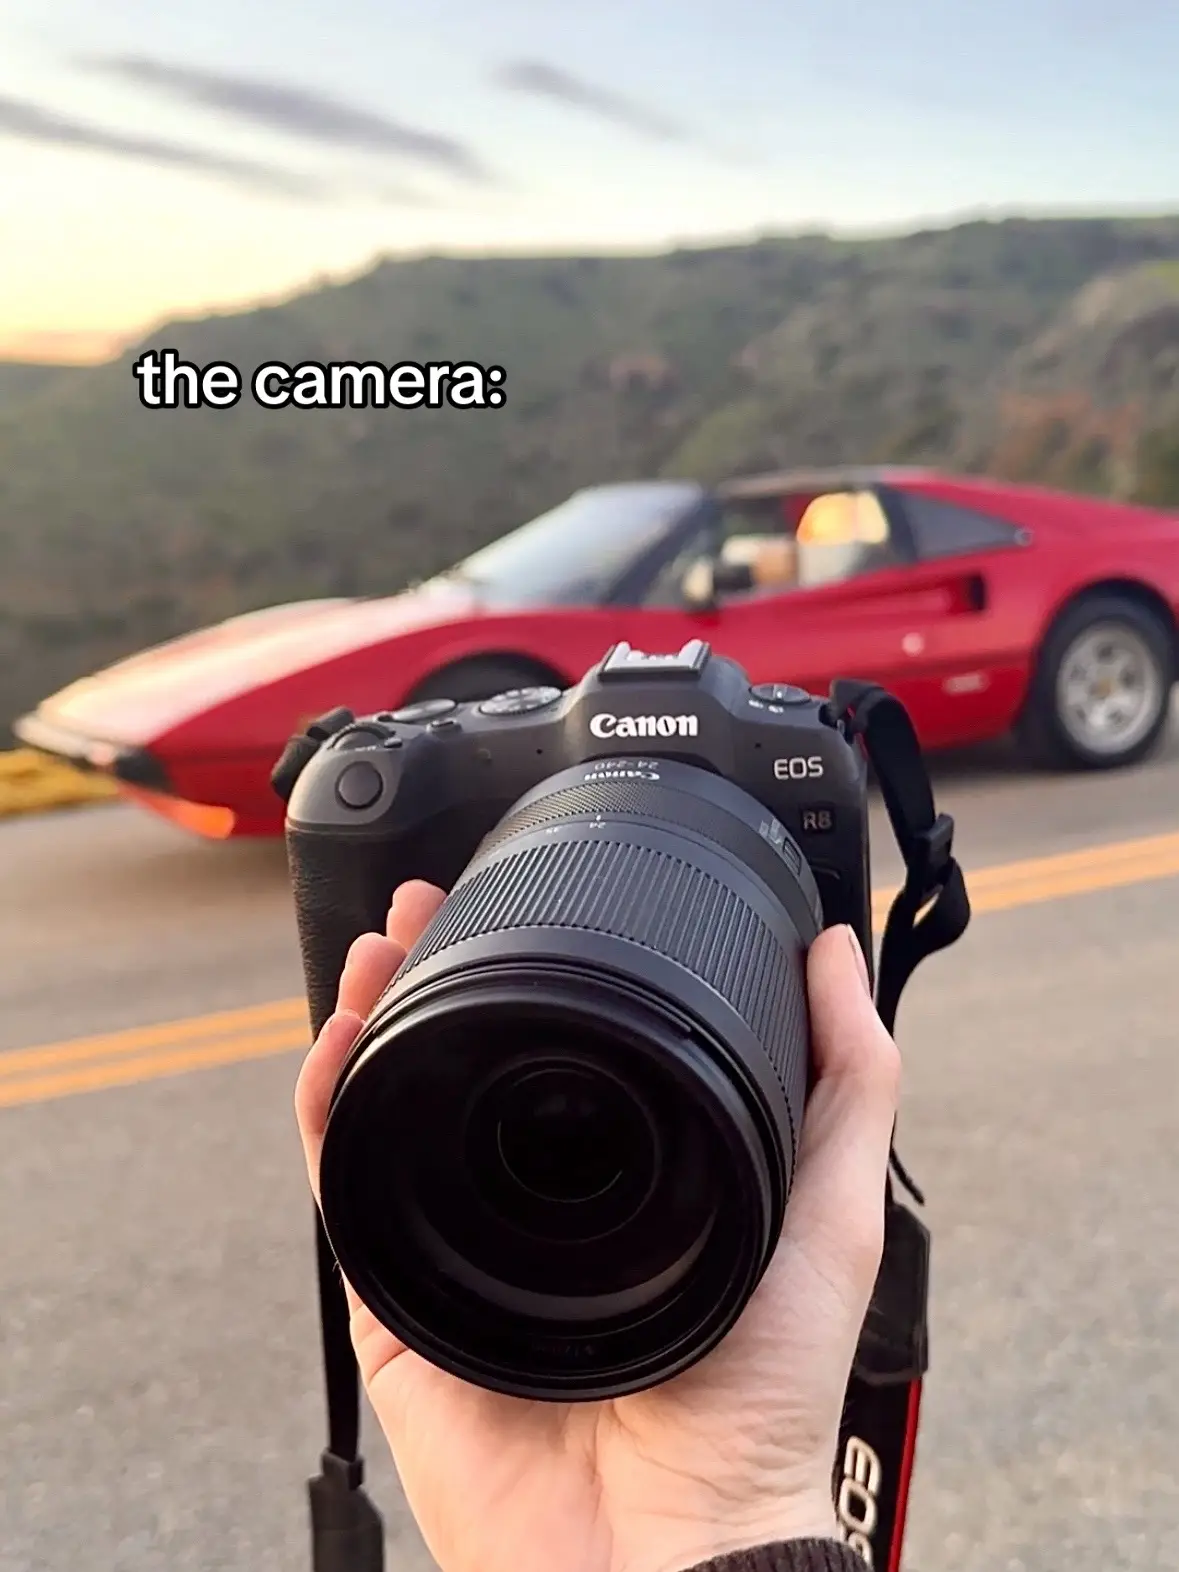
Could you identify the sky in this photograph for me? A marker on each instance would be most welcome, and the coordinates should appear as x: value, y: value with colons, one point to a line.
x: 166, y: 160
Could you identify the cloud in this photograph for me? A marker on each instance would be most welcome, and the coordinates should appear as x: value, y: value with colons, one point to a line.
x: 561, y: 87
x: 297, y: 111
x: 26, y: 122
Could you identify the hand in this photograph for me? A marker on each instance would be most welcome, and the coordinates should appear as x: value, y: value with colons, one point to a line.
x: 736, y: 1452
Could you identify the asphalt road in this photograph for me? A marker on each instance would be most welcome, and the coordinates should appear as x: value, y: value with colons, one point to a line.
x: 159, y: 1405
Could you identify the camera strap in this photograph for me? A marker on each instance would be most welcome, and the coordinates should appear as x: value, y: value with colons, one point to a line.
x: 931, y: 910
x: 347, y: 1534
x: 878, y: 1436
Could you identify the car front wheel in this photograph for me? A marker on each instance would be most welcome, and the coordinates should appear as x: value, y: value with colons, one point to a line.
x: 1101, y: 695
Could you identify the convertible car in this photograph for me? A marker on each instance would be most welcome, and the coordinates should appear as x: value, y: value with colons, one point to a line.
x: 986, y: 607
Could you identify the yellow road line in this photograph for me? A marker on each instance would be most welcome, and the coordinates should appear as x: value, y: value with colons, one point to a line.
x: 1140, y: 862
x: 148, y: 1067
x: 144, y: 1053
x: 112, y: 1045
x: 1038, y: 879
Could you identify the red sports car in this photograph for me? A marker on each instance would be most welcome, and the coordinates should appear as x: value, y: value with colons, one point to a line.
x: 986, y: 607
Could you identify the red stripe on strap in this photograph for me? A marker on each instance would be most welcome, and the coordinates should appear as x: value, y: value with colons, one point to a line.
x: 910, y: 1452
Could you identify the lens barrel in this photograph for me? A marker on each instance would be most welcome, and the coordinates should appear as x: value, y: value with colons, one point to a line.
x: 558, y: 1157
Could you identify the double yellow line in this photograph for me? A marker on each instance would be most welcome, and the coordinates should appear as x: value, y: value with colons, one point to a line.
x: 90, y: 1064
x: 33, y: 1075
x: 1039, y: 879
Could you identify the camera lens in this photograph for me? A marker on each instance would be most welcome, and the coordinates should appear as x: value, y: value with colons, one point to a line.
x: 565, y: 1135
x: 560, y: 1150
x: 557, y: 1160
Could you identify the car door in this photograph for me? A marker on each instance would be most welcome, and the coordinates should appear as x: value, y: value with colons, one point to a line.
x: 876, y: 627
x: 913, y: 617
x: 969, y: 660
x: 853, y: 608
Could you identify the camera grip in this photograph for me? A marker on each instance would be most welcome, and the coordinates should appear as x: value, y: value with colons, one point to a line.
x: 342, y: 888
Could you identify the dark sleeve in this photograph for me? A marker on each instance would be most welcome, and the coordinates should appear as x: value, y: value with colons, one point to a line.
x: 795, y: 1555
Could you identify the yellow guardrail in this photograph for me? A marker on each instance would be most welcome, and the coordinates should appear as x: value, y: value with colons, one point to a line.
x: 32, y: 782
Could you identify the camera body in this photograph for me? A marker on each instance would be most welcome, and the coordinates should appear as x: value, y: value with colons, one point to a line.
x: 410, y: 794
x: 558, y: 1155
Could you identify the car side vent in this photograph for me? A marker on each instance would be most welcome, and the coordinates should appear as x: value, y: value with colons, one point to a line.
x: 976, y: 592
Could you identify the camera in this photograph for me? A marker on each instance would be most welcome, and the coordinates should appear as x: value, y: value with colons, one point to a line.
x: 559, y: 1153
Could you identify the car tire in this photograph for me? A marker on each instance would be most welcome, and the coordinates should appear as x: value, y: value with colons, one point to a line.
x: 1100, y: 640
x: 469, y: 681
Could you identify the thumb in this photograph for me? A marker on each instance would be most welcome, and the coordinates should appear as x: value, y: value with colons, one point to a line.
x: 835, y: 1216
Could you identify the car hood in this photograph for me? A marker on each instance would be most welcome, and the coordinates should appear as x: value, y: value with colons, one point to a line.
x: 138, y: 699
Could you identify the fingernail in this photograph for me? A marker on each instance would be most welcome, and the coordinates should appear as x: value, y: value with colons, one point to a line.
x: 861, y: 963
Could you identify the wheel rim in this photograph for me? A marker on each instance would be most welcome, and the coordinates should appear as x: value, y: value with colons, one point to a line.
x: 1109, y: 689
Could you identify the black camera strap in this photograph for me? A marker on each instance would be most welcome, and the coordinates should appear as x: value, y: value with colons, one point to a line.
x: 347, y: 1534
x: 931, y: 910
x: 879, y: 1432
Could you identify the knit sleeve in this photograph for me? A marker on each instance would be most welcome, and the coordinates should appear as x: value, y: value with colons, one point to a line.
x: 795, y: 1555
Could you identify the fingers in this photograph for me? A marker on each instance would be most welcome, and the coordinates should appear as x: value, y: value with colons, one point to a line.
x: 836, y: 1210
x: 369, y: 969
x: 317, y: 1078
x: 413, y: 906
x: 371, y: 965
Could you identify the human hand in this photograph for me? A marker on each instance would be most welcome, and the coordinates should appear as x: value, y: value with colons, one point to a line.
x: 736, y: 1452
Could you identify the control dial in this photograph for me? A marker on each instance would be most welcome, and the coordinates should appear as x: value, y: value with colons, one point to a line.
x: 428, y: 709
x: 358, y: 737
x: 519, y: 701
x: 779, y: 693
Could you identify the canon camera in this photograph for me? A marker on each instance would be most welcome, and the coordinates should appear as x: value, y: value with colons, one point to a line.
x: 558, y: 1156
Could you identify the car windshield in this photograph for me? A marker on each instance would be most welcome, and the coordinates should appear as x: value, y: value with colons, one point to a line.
x: 573, y: 555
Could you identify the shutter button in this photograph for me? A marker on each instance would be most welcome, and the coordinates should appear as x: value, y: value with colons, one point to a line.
x: 360, y: 785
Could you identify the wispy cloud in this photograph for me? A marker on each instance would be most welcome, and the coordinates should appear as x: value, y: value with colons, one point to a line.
x: 562, y: 87
x: 25, y: 122
x: 296, y: 111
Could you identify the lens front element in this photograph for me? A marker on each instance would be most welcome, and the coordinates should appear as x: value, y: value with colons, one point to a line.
x: 565, y: 1134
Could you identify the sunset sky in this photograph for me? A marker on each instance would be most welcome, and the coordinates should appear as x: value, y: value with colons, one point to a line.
x: 158, y: 160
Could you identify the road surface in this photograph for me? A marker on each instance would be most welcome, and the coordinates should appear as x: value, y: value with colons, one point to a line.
x: 159, y: 1400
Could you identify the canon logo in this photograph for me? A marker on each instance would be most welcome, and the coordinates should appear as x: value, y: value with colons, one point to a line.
x: 607, y: 726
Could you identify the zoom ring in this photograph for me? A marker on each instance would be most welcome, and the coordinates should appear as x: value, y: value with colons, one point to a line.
x: 653, y: 898
x: 778, y: 865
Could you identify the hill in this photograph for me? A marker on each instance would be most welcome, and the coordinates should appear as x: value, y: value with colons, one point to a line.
x: 121, y: 525
x: 1092, y: 402
x: 19, y: 379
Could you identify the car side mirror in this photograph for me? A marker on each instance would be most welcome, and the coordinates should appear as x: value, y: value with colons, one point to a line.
x: 708, y: 578
x: 732, y: 578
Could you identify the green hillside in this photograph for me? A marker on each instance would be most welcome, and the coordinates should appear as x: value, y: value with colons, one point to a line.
x: 20, y: 379
x: 1043, y: 348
